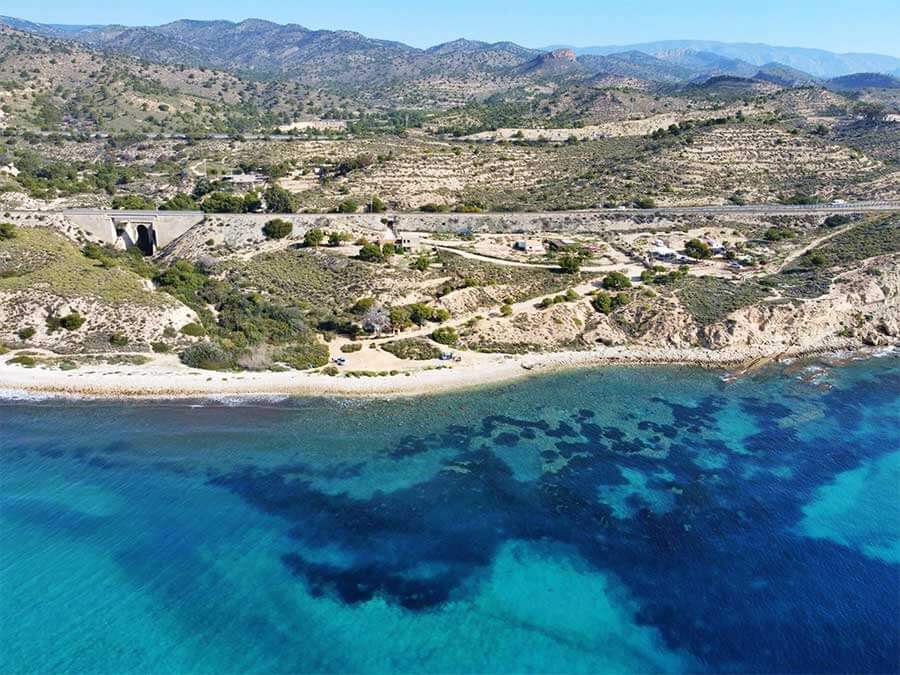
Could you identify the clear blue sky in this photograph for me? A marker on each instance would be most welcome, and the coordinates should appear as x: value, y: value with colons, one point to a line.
x: 836, y: 25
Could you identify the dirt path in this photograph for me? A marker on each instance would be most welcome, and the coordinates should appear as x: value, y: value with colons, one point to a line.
x: 811, y: 245
x: 515, y: 263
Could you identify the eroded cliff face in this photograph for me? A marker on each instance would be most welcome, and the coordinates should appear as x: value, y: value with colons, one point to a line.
x: 141, y: 325
x: 861, y: 308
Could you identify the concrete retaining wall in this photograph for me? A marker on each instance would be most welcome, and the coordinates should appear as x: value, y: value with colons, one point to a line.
x: 103, y: 225
x: 441, y: 222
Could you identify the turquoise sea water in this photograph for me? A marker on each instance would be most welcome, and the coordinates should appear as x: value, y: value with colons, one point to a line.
x: 606, y: 521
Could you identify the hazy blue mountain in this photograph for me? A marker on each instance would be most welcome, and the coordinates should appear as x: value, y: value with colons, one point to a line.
x: 708, y: 63
x: 636, y: 64
x: 818, y: 62
x: 54, y: 29
x: 778, y: 73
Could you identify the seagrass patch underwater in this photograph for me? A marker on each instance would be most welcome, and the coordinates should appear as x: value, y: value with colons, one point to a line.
x: 610, y: 520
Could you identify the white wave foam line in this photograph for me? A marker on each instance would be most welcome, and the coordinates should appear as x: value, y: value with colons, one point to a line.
x: 23, y: 395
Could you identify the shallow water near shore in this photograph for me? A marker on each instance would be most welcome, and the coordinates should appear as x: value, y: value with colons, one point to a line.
x: 624, y: 520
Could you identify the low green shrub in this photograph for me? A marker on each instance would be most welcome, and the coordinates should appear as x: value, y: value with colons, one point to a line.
x: 303, y: 356
x: 72, y: 321
x: 313, y: 237
x: 446, y: 336
x: 698, y: 249
x: 779, y: 233
x: 209, y: 356
x: 23, y: 360
x: 606, y: 303
x: 616, y: 281
x: 193, y: 329
x: 278, y: 228
x: 412, y: 348
x: 837, y: 220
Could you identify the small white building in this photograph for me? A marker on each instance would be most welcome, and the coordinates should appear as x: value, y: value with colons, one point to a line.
x: 409, y: 241
x: 529, y: 246
x: 664, y: 253
x: 715, y: 245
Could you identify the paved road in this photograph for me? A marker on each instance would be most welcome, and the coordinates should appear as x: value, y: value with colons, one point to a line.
x: 759, y: 209
x: 749, y: 209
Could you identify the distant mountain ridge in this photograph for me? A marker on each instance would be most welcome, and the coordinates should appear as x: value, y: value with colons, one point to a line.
x: 864, y: 81
x: 349, y: 59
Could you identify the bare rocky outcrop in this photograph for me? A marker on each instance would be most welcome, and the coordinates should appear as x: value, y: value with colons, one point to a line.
x: 862, y: 308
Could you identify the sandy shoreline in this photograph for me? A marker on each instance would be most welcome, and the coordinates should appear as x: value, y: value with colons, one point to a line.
x: 167, y: 379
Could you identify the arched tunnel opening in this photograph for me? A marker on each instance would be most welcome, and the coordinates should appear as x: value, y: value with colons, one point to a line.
x: 146, y: 240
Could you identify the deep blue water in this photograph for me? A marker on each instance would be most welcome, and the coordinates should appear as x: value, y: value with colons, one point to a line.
x: 607, y: 521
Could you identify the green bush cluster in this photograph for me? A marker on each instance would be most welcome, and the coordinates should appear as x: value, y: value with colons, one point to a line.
x: 179, y: 202
x: 418, y: 313
x: 434, y: 208
x: 779, y: 233
x: 607, y: 303
x: 279, y: 200
x: 277, y: 228
x: 43, y: 178
x: 133, y: 203
x: 7, y: 231
x: 313, y: 237
x: 304, y: 356
x: 72, y: 321
x: 837, y: 220
x: 372, y: 252
x: 616, y: 281
x: 336, y: 238
x: 422, y: 263
x: 246, y: 325
x: 348, y: 206
x: 209, y: 356
x: 131, y: 259
x: 569, y: 296
x: 697, y: 249
x: 193, y: 329
x: 445, y: 335
x: 24, y: 360
x: 658, y: 275
x: 570, y: 263
x: 412, y: 348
